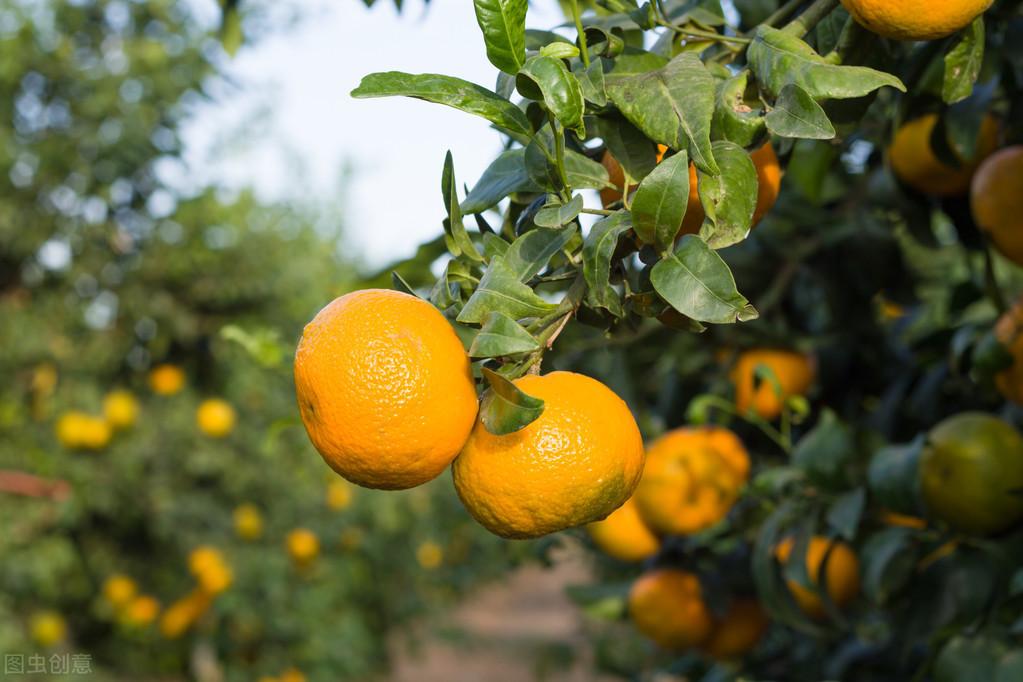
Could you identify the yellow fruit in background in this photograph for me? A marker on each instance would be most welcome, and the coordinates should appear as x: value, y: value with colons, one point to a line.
x: 48, y: 628
x: 120, y: 409
x: 80, y: 431
x: 291, y: 675
x: 210, y: 569
x: 667, y: 606
x: 842, y: 574
x: 736, y: 632
x: 902, y: 520
x: 215, y: 417
x: 267, y: 678
x: 915, y: 19
x: 142, y: 610
x: 385, y: 388
x: 971, y: 473
x: 182, y: 614
x: 794, y: 372
x: 624, y: 535
x: 915, y: 163
x: 248, y: 522
x: 575, y: 464
x: 692, y: 478
x: 429, y: 555
x: 1009, y: 332
x: 119, y: 589
x: 339, y: 495
x: 303, y: 546
x: 996, y: 199
x: 166, y: 379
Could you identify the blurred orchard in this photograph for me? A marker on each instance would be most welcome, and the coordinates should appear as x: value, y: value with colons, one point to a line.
x: 786, y: 233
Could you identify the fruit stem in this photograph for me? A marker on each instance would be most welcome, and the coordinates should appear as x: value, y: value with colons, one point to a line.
x: 805, y: 22
x: 583, y: 49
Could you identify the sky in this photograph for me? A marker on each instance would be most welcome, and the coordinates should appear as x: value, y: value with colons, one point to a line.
x: 286, y: 124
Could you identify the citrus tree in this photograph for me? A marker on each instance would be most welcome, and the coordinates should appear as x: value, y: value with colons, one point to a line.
x: 161, y: 511
x: 782, y: 233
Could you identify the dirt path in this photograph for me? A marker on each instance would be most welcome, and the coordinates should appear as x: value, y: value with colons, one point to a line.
x: 522, y: 629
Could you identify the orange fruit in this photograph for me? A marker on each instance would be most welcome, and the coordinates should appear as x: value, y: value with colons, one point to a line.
x: 842, y: 574
x: 795, y: 373
x: 768, y: 181
x: 915, y: 19
x: 303, y: 546
x: 166, y: 379
x: 210, y: 569
x: 48, y: 628
x: 385, y: 388
x: 215, y: 417
x: 119, y: 590
x: 971, y: 472
x: 142, y: 610
x: 915, y: 163
x: 80, y: 431
x: 339, y: 494
x: 692, y: 478
x: 623, y: 534
x: 575, y: 464
x: 1009, y: 332
x: 248, y: 522
x: 996, y: 198
x: 429, y: 555
x: 737, y: 631
x: 667, y: 606
x: 120, y: 409
x: 182, y: 614
x: 890, y: 518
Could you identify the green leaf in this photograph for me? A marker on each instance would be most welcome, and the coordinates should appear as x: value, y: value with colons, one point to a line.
x: 735, y: 120
x: 963, y: 61
x: 633, y: 61
x: 779, y: 59
x: 506, y: 175
x: 559, y: 50
x: 1010, y: 667
x: 845, y: 513
x: 261, y: 344
x: 730, y: 198
x: 893, y: 477
x: 556, y: 214
x: 673, y: 105
x: 501, y: 291
x: 400, y: 284
x: 501, y: 336
x: 461, y: 244
x: 494, y: 246
x: 696, y: 282
x: 630, y: 147
x: 504, y: 408
x: 453, y: 92
x: 827, y: 452
x: 598, y: 250
x: 548, y: 80
x: 968, y: 659
x: 796, y: 114
x: 503, y: 23
x: 660, y: 202
x: 591, y: 80
x: 582, y: 172
x: 889, y: 560
x: 528, y: 254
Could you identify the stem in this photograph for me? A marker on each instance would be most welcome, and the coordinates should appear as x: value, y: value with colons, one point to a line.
x: 577, y: 17
x: 994, y: 291
x: 597, y: 211
x: 802, y: 24
x: 662, y: 19
x: 782, y: 12
x: 552, y: 326
x: 765, y: 427
x: 559, y: 155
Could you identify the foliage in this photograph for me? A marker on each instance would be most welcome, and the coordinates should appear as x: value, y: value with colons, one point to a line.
x: 894, y: 293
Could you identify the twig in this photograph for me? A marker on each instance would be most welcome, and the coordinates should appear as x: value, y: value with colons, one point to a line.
x: 805, y: 22
x: 27, y: 485
x: 582, y: 33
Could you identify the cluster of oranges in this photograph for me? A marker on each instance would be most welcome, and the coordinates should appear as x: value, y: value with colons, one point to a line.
x: 121, y: 595
x: 77, y: 430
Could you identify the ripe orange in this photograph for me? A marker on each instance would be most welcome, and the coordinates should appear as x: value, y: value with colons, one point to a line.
x: 385, y: 388
x: 142, y: 610
x: 915, y: 19
x: 215, y: 417
x: 48, y: 628
x: 667, y: 606
x: 768, y: 183
x: 692, y: 478
x: 1009, y: 332
x: 914, y: 162
x: 80, y: 431
x: 795, y: 373
x: 248, y: 522
x: 182, y: 614
x: 119, y: 590
x: 890, y: 518
x: 429, y: 555
x: 623, y: 534
x: 996, y: 197
x: 842, y: 574
x: 210, y: 569
x: 120, y: 409
x: 575, y: 464
x: 303, y: 546
x: 971, y: 472
x: 339, y: 494
x: 166, y: 379
x: 737, y: 631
